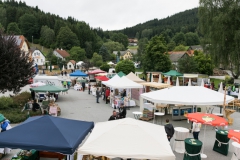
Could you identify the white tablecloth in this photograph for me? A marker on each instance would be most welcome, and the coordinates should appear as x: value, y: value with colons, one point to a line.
x: 77, y: 87
x: 130, y: 103
x: 236, y: 154
x: 179, y: 136
x: 148, y: 106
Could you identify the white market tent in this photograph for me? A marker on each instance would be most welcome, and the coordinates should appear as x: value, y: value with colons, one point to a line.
x: 187, y: 95
x: 115, y: 78
x: 128, y: 138
x: 134, y: 78
x: 124, y: 83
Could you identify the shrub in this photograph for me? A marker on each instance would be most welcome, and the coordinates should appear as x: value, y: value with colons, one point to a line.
x: 20, y: 99
x: 5, y: 102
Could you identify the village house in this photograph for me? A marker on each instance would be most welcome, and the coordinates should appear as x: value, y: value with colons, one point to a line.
x: 71, y: 64
x: 175, y: 56
x: 23, y: 44
x: 38, y: 57
x: 124, y: 54
x: 60, y: 53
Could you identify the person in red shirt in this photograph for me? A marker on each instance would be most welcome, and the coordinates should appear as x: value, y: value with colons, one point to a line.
x: 107, y: 93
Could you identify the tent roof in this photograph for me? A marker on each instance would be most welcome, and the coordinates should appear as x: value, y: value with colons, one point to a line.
x: 102, y: 78
x: 187, y: 95
x: 121, y: 74
x: 48, y: 88
x: 124, y: 82
x: 134, y: 78
x: 78, y: 73
x: 115, y: 78
x: 47, y: 133
x: 156, y: 85
x: 96, y: 71
x: 173, y: 73
x: 132, y: 138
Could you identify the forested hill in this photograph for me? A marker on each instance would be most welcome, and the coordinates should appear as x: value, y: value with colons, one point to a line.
x: 186, y: 21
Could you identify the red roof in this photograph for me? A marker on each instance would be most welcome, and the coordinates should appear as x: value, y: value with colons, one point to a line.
x: 102, y: 78
x: 72, y: 61
x: 63, y: 53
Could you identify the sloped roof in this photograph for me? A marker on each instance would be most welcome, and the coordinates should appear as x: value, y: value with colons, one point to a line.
x: 32, y: 49
x: 20, y: 39
x: 176, y: 55
x: 134, y: 78
x: 73, y: 62
x: 196, y: 47
x: 132, y: 51
x: 63, y: 53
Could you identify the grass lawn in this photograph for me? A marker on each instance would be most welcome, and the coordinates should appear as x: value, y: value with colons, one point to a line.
x: 42, y: 49
x: 132, y: 47
x: 216, y: 82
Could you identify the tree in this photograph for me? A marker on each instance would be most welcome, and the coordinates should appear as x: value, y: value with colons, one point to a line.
x: 28, y: 26
x: 105, y: 67
x: 219, y: 25
x: 89, y: 49
x: 171, y: 45
x: 179, y: 38
x: 3, y: 17
x: 104, y: 53
x: 113, y: 46
x: 47, y: 36
x: 12, y: 28
x: 155, y: 57
x: 204, y: 63
x: 126, y: 66
x: 2, y: 28
x: 192, y: 39
x: 180, y: 48
x: 77, y: 54
x: 15, y: 72
x: 187, y: 64
x: 96, y: 60
x: 121, y: 38
x: 66, y: 38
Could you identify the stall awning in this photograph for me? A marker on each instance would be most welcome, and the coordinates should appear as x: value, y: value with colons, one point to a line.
x: 102, y: 78
x: 156, y: 85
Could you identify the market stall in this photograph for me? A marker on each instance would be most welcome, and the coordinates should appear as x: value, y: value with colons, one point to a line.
x: 78, y: 73
x: 47, y: 133
x: 141, y: 140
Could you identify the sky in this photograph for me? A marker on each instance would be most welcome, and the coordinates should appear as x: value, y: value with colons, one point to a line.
x: 113, y: 14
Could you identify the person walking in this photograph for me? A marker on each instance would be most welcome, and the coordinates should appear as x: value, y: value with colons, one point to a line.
x: 196, y: 129
x: 62, y: 73
x: 107, y: 95
x: 65, y: 73
x: 68, y: 84
x: 169, y: 130
x: 97, y: 95
x: 89, y: 88
x: 65, y: 84
x: 83, y: 86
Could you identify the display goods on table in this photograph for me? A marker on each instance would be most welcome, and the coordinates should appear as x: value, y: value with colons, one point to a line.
x: 221, y: 143
x: 26, y: 155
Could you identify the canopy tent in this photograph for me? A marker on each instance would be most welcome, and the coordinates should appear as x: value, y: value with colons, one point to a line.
x: 47, y: 133
x: 101, y: 74
x: 187, y: 95
x: 134, y: 78
x: 96, y: 71
x: 78, y: 73
x: 115, y: 78
x: 102, y: 78
x: 48, y: 88
x: 173, y: 73
x: 123, y: 83
x: 110, y: 63
x: 156, y: 85
x: 121, y: 74
x: 136, y: 139
x: 79, y: 63
x: 37, y: 84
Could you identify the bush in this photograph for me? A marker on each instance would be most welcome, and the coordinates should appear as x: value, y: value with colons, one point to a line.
x: 5, y: 102
x: 20, y: 99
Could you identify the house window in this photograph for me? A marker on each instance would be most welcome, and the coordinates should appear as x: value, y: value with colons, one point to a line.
x: 37, y: 60
x: 70, y: 66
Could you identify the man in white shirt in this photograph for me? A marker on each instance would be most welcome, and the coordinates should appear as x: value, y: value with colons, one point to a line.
x: 196, y: 129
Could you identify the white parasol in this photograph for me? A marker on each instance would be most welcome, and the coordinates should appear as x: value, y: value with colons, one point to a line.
x: 221, y: 88
x: 37, y: 84
x: 202, y: 83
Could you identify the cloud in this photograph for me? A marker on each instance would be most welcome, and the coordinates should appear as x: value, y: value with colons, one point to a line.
x: 114, y: 14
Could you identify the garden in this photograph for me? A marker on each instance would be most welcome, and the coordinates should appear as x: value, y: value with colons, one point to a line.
x: 11, y: 107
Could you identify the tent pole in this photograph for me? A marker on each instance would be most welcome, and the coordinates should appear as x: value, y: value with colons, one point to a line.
x: 202, y: 154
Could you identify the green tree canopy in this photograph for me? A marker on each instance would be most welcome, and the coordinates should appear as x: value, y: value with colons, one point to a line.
x: 96, y: 60
x: 77, y: 54
x: 121, y: 38
x: 192, y: 39
x: 16, y: 71
x: 104, y: 53
x: 29, y: 26
x: 126, y: 66
x: 219, y: 24
x: 113, y: 46
x: 171, y: 45
x: 180, y: 48
x: 47, y: 36
x: 12, y: 28
x: 187, y: 64
x: 66, y: 38
x: 105, y: 67
x: 204, y: 63
x: 155, y: 57
x: 179, y: 38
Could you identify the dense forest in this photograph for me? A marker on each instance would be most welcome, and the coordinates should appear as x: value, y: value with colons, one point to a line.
x: 52, y: 31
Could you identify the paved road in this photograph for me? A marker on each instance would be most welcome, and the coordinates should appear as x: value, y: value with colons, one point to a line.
x: 82, y: 106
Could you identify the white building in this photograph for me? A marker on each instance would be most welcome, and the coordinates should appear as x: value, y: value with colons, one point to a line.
x: 61, y: 53
x: 71, y: 64
x: 38, y: 57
